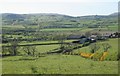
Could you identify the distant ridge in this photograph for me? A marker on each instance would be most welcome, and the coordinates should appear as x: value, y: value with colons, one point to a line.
x: 55, y: 20
x: 113, y: 14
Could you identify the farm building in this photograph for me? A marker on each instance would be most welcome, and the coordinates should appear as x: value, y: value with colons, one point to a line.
x: 93, y: 37
x: 73, y: 37
x: 76, y: 37
x: 83, y: 40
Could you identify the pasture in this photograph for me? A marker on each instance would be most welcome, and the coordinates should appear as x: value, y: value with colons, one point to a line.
x: 60, y: 63
x: 83, y: 29
x: 113, y: 51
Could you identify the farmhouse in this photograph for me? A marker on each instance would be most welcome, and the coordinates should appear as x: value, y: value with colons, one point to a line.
x: 83, y: 40
x: 93, y: 37
x: 74, y: 37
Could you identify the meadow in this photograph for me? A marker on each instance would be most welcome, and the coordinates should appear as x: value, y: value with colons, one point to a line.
x: 61, y: 63
x: 112, y: 42
x: 112, y: 52
x: 58, y: 64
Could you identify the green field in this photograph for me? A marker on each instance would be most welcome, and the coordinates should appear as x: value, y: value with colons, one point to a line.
x: 112, y: 52
x: 112, y: 42
x: 83, y: 29
x: 59, y: 63
x: 36, y: 42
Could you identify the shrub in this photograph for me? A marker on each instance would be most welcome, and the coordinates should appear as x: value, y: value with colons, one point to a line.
x: 106, y: 46
x: 112, y: 56
x: 94, y: 47
x: 34, y: 69
x: 103, y: 56
x: 97, y: 56
x: 86, y: 55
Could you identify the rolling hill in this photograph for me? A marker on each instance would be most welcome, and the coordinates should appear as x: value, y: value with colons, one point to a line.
x: 53, y: 20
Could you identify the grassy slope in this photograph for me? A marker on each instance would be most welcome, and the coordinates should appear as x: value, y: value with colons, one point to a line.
x: 112, y: 42
x: 61, y: 64
x: 112, y: 52
x: 58, y: 64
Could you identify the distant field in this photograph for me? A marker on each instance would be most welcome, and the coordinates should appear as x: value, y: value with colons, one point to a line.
x: 46, y: 48
x: 114, y: 28
x: 12, y: 27
x: 61, y: 29
x: 37, y: 42
x: 84, y: 29
x: 42, y: 42
x: 43, y: 48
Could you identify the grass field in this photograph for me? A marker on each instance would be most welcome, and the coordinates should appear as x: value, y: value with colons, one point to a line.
x: 43, y: 48
x: 112, y: 42
x: 112, y: 52
x: 36, y: 42
x: 59, y: 63
x: 84, y: 29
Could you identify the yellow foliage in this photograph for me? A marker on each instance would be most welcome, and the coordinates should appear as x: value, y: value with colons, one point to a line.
x: 89, y: 55
x: 103, y: 56
x: 86, y: 55
x: 92, y: 55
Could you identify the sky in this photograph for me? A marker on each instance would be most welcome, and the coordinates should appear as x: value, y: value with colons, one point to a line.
x: 67, y: 7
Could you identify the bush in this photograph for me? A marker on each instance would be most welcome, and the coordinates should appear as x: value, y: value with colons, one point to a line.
x: 34, y: 69
x: 94, y: 47
x: 97, y: 56
x: 112, y: 56
x: 106, y: 46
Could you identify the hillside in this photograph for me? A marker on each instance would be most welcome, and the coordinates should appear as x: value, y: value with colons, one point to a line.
x: 51, y: 20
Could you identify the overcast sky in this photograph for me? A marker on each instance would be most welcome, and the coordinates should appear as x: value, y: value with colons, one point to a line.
x: 67, y: 7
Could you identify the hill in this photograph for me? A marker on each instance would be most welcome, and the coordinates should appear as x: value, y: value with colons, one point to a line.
x: 53, y: 20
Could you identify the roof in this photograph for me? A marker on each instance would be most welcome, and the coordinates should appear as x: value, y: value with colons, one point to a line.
x: 93, y: 36
x: 74, y: 37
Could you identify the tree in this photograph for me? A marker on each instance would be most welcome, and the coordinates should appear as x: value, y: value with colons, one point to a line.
x: 97, y: 33
x: 33, y: 50
x: 106, y: 46
x: 61, y: 40
x: 26, y: 49
x: 94, y: 47
x: 88, y: 34
x: 14, y: 46
x: 6, y: 50
x: 29, y: 50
